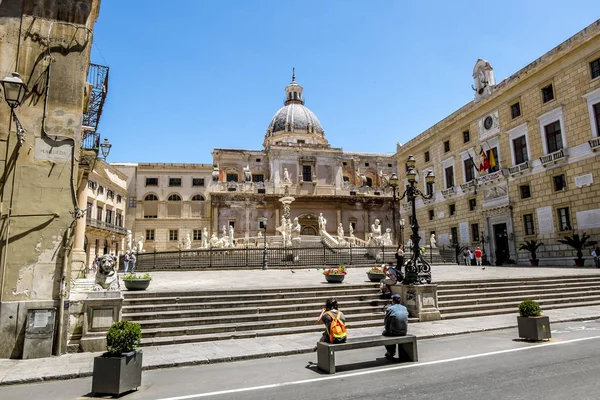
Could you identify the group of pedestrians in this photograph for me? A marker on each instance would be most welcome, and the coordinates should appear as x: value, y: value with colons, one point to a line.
x: 129, y: 260
x: 474, y: 257
x: 395, y: 323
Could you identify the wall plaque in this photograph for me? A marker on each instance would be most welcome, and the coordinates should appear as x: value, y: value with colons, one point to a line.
x: 545, y: 222
x: 49, y: 150
x: 584, y: 180
x: 588, y: 219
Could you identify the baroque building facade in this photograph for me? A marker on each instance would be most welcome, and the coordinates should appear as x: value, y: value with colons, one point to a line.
x: 241, y: 187
x: 520, y: 161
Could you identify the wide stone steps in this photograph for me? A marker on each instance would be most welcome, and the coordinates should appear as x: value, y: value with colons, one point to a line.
x: 186, y: 317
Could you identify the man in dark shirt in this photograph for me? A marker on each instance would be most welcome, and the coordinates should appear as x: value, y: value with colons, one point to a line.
x: 396, y: 323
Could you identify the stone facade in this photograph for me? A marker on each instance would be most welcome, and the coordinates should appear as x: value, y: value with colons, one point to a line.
x: 49, y: 44
x: 541, y: 125
x: 243, y: 186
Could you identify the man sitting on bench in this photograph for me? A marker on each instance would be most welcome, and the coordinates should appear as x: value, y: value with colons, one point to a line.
x: 396, y: 324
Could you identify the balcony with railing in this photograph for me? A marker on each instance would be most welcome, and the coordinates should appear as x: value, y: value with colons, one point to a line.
x: 96, y: 223
x: 554, y: 157
x: 520, y: 168
x: 449, y: 192
x: 595, y: 144
x: 468, y: 186
x: 491, y: 177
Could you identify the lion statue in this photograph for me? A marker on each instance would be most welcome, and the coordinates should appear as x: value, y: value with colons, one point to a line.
x: 106, y: 275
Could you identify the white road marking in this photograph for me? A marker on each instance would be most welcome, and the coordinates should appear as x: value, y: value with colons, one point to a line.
x: 371, y: 371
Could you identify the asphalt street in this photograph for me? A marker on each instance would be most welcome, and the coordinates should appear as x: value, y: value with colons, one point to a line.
x: 488, y: 365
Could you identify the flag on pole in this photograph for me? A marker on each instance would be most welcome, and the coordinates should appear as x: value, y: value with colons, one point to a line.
x: 485, y: 162
x: 492, y: 159
x: 473, y: 165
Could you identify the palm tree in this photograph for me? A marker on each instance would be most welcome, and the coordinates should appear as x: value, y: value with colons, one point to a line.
x: 577, y: 243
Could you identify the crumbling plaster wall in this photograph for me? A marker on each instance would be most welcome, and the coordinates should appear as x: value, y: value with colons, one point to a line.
x: 49, y: 46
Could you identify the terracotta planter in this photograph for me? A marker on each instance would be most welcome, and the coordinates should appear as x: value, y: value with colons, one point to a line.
x: 535, y: 262
x: 137, y: 284
x: 534, y: 328
x: 375, y: 277
x: 335, y: 278
x: 579, y: 262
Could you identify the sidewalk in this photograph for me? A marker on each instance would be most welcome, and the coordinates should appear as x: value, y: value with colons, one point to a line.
x: 80, y: 364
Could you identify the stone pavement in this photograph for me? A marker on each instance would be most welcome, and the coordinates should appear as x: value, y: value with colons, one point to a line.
x: 80, y: 364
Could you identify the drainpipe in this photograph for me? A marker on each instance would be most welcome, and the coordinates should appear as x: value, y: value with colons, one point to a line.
x: 62, y: 293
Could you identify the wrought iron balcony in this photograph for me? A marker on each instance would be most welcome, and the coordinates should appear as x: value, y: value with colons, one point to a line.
x: 595, y: 144
x: 95, y: 223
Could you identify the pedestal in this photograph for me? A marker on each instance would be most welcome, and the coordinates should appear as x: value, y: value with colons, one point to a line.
x: 420, y: 300
x: 100, y: 310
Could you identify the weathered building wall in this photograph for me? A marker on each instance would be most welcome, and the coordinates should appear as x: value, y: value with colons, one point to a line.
x: 49, y: 45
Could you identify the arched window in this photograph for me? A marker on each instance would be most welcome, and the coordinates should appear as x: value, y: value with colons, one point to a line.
x: 198, y: 205
x: 174, y: 206
x: 151, y: 206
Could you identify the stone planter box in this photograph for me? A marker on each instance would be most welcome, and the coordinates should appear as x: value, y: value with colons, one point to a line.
x: 534, y: 328
x: 137, y: 284
x: 374, y: 277
x: 117, y: 374
x: 335, y: 278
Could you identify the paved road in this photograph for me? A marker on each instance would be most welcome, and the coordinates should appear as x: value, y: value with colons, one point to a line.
x: 488, y: 365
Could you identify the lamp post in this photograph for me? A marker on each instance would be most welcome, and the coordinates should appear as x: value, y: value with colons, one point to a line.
x: 14, y: 93
x: 418, y: 269
x: 402, y: 231
x: 263, y: 221
x: 394, y: 184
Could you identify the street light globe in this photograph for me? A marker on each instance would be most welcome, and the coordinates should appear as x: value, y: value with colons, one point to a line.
x: 14, y: 90
x: 430, y: 178
x: 410, y: 162
x: 105, y: 148
x: 394, y: 180
x: 411, y: 175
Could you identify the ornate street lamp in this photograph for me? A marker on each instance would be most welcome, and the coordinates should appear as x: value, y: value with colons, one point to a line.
x: 263, y: 221
x: 418, y: 270
x: 394, y: 184
x: 105, y: 148
x: 14, y: 93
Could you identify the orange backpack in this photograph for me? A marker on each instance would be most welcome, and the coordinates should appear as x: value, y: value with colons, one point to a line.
x: 337, y: 329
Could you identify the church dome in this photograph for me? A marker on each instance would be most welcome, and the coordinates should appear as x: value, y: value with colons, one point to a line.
x: 294, y: 123
x: 296, y: 118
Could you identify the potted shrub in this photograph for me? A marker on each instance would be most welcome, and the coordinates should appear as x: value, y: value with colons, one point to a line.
x: 137, y: 282
x: 119, y: 370
x: 578, y: 243
x: 532, y: 325
x: 335, y: 275
x: 376, y: 274
x: 531, y: 246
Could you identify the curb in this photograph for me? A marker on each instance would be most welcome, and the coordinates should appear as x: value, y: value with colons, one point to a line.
x: 164, y: 365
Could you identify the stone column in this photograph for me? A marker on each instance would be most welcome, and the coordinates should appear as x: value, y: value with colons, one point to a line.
x: 78, y: 259
x: 366, y: 224
x: 247, y: 224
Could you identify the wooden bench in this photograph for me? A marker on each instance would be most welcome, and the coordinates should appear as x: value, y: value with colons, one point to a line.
x: 407, y: 349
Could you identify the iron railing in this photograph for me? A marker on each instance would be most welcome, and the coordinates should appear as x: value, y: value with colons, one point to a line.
x: 96, y: 223
x: 252, y: 257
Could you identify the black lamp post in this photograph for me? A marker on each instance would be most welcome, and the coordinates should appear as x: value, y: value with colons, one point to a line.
x: 265, y: 259
x: 394, y: 185
x: 14, y: 93
x: 418, y: 269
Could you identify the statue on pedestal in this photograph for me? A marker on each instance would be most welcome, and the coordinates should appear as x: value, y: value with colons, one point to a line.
x: 187, y: 242
x: 340, y: 234
x: 387, y: 238
x: 231, y: 235
x: 140, y: 245
x: 247, y: 174
x: 286, y: 176
x: 129, y: 241
x: 106, y: 276
x: 351, y: 230
x: 322, y: 223
x: 295, y: 232
x: 204, y: 238
x: 432, y: 241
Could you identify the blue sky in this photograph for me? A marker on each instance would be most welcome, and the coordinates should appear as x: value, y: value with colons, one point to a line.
x: 201, y: 74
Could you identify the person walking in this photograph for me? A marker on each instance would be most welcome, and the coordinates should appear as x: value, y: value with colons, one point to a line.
x: 132, y: 261
x: 395, y: 324
x: 126, y: 262
x: 478, y: 257
x: 329, y: 313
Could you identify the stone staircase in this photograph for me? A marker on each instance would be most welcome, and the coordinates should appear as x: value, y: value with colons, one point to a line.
x: 184, y: 317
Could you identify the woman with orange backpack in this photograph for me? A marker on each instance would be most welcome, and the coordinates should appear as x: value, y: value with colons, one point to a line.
x: 335, y: 322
